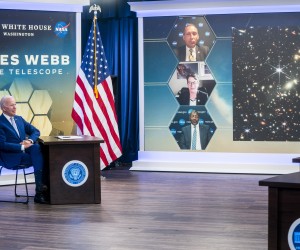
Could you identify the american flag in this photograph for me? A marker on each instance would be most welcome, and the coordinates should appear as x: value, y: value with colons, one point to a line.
x: 94, y: 108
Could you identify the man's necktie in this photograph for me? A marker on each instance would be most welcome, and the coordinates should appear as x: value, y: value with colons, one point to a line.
x: 191, y: 57
x: 194, y: 138
x: 14, y: 125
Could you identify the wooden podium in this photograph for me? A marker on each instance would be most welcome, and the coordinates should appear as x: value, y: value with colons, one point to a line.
x: 73, y: 169
x: 284, y: 208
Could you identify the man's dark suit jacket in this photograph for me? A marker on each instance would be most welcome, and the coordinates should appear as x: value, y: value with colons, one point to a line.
x: 185, y: 138
x: 201, y: 53
x: 10, y: 148
x: 183, y: 97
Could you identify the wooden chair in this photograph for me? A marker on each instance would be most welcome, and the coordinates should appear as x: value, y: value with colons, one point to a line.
x: 23, y: 169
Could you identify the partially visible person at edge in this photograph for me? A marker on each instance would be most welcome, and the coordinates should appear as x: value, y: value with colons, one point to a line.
x: 18, y: 146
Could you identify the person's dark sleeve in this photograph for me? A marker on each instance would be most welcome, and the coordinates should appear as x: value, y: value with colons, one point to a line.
x: 32, y: 132
x: 8, y: 146
x: 182, y: 141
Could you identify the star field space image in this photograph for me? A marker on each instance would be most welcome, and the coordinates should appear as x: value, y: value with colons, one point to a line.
x: 266, y: 65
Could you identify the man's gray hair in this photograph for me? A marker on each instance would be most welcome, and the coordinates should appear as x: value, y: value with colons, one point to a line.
x: 194, y: 112
x: 3, y: 100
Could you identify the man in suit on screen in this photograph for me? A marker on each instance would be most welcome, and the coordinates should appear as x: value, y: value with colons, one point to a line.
x: 17, y: 144
x: 195, y: 136
x: 191, y: 51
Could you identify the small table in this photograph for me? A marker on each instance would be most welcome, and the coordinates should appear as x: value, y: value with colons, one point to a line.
x: 73, y: 169
x: 296, y: 160
x: 284, y: 208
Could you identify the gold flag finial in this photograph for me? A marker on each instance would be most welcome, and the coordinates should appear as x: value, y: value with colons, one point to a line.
x: 95, y: 8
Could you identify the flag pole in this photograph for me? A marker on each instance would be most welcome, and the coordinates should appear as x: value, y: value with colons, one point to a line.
x: 95, y: 8
x: 96, y: 116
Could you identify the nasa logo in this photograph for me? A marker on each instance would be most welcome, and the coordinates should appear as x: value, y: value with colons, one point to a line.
x: 61, y: 29
x: 189, y: 111
x: 75, y: 173
x: 173, y: 131
x: 181, y: 122
x: 294, y: 235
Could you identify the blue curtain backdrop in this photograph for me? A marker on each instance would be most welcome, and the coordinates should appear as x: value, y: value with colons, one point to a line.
x: 118, y: 28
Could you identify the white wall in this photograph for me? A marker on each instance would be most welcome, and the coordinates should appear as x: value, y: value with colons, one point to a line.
x: 206, y: 7
x: 50, y: 5
x: 79, y: 2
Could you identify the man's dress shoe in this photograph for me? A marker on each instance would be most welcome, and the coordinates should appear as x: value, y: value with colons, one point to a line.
x: 40, y: 198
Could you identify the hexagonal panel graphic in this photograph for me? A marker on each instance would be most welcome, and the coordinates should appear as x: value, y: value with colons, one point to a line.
x: 158, y: 28
x: 43, y: 123
x: 220, y: 106
x: 160, y: 105
x: 25, y: 111
x: 194, y: 33
x: 181, y: 127
x: 219, y: 61
x: 159, y: 60
x: 161, y: 135
x: 21, y: 89
x: 40, y: 102
x: 222, y: 24
x: 197, y: 87
x: 4, y: 93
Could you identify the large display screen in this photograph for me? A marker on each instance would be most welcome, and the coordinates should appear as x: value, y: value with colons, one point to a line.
x: 38, y: 66
x: 238, y: 72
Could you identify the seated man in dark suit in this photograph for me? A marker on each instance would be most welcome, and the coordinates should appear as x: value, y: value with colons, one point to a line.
x: 17, y: 144
x: 194, y: 136
x: 194, y: 94
x: 191, y: 51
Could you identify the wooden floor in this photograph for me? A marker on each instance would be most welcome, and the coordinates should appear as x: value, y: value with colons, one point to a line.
x: 146, y: 210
